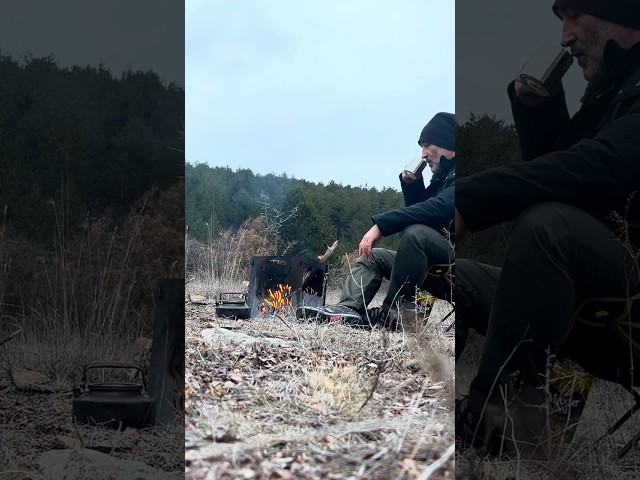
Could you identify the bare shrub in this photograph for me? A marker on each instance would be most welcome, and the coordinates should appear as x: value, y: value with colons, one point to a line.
x: 229, y: 256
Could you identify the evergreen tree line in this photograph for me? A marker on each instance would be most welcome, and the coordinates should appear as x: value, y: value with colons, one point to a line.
x: 220, y: 199
x: 79, y: 141
x: 484, y: 142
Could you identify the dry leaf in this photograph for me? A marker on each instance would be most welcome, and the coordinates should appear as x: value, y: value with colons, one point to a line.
x: 22, y: 377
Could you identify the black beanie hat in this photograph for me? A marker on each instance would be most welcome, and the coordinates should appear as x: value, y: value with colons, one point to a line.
x: 622, y: 12
x: 440, y: 131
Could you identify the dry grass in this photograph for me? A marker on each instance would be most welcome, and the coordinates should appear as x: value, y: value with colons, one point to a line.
x: 86, y: 300
x: 309, y: 409
x: 582, y: 458
x: 32, y: 423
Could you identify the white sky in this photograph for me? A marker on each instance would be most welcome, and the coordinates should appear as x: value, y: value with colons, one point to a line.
x: 337, y: 90
x: 121, y: 34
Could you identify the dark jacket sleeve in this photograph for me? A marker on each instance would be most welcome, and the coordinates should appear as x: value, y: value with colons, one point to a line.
x: 538, y: 127
x: 413, y: 192
x: 594, y: 174
x: 436, y: 212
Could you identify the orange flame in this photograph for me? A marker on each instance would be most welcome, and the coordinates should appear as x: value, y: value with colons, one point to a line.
x: 278, y: 299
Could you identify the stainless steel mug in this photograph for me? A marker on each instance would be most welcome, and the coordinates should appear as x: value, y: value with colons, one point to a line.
x: 415, y: 168
x: 545, y: 69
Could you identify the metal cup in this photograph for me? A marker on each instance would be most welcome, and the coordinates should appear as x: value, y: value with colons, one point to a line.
x: 545, y: 69
x: 415, y: 168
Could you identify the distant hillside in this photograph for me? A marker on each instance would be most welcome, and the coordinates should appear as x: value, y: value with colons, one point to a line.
x: 219, y: 198
x: 83, y: 140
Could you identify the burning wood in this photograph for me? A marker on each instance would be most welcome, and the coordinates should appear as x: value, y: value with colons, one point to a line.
x: 279, y: 299
x: 279, y: 283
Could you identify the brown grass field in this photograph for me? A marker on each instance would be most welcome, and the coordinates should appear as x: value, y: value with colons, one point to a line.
x: 331, y: 402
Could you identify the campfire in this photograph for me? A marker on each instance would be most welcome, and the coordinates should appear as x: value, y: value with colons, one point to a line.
x: 279, y: 300
x: 281, y: 284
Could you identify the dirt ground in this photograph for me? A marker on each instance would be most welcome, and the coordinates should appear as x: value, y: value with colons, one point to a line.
x: 332, y: 402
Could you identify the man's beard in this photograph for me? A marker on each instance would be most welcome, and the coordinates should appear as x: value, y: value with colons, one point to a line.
x: 594, y: 70
x: 434, y: 158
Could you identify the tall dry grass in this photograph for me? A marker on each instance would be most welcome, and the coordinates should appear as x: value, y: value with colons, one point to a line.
x: 93, y: 293
x: 224, y: 262
x: 5, y: 265
x: 84, y: 300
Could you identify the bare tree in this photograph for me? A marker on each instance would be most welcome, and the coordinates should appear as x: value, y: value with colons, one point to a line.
x: 274, y: 221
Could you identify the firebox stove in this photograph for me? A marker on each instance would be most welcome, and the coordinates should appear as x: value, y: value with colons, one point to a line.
x: 294, y: 281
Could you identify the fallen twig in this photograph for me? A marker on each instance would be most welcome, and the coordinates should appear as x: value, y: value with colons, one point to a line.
x: 10, y: 336
x: 380, y: 368
x: 298, y: 339
x: 438, y: 463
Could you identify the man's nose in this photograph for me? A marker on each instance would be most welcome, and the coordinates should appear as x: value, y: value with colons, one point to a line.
x: 425, y: 152
x: 568, y: 37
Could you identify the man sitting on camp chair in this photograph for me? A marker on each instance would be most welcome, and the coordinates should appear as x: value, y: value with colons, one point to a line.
x: 563, y: 250
x: 424, y: 224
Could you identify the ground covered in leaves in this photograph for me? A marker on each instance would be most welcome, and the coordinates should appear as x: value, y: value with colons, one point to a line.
x: 303, y: 400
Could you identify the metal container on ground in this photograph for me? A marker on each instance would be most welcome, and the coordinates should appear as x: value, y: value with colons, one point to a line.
x: 113, y: 404
x: 301, y: 280
x: 232, y: 305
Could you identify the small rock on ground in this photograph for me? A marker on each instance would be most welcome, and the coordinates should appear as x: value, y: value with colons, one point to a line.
x: 85, y: 463
x: 221, y: 335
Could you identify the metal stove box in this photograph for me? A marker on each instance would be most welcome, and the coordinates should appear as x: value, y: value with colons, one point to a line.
x: 304, y: 278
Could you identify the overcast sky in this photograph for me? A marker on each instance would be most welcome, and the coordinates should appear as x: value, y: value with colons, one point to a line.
x: 494, y: 39
x: 334, y: 90
x: 141, y: 34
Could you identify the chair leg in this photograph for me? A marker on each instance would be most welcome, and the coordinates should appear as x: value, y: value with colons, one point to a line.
x: 447, y: 315
x: 623, y: 418
x: 626, y: 416
x: 636, y: 438
x: 628, y: 446
x: 448, y: 329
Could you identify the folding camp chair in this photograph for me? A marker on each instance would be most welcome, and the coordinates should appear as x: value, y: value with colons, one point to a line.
x: 440, y: 282
x: 619, y: 314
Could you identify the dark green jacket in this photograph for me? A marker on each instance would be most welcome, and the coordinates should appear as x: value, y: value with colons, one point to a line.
x: 591, y: 161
